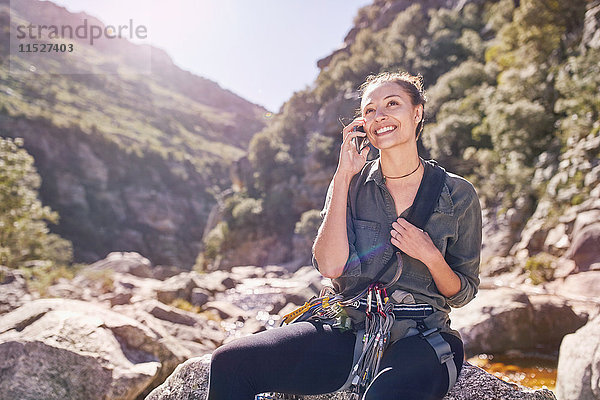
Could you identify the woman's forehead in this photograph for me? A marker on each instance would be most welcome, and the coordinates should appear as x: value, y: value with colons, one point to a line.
x: 380, y: 91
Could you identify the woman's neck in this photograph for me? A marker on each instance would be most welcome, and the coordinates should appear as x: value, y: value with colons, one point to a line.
x: 399, y: 162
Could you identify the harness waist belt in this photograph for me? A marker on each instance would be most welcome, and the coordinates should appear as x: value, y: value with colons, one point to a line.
x: 401, y: 311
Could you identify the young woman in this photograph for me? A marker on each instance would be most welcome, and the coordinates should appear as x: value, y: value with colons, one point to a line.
x: 365, y: 237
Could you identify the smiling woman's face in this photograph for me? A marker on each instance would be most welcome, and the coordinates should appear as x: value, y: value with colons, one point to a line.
x: 391, y: 118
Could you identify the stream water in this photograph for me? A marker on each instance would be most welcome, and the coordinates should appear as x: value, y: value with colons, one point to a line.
x: 535, y: 371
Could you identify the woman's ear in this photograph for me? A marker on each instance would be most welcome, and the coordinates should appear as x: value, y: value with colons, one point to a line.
x: 418, y: 113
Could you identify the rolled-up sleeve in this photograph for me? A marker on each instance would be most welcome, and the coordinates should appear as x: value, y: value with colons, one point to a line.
x: 352, y: 267
x: 463, y: 253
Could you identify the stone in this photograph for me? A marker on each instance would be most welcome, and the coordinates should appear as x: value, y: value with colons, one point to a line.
x: 503, y: 319
x: 168, y: 313
x: 497, y: 266
x: 583, y: 286
x: 177, y: 287
x: 200, y: 338
x: 199, y: 296
x: 117, y: 298
x: 13, y: 289
x: 57, y: 348
x: 557, y: 240
x: 190, y: 382
x: 125, y: 262
x: 578, y: 375
x: 585, y: 246
x: 225, y: 309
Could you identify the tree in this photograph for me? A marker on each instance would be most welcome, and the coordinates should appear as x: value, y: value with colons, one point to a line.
x: 25, y: 239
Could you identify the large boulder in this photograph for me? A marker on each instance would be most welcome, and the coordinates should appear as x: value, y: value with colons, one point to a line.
x: 190, y: 381
x: 196, y: 334
x: 579, y: 364
x: 125, y: 262
x: 57, y: 349
x: 503, y: 319
x: 584, y: 249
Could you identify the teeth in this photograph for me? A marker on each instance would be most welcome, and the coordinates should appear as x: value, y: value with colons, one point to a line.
x: 384, y: 129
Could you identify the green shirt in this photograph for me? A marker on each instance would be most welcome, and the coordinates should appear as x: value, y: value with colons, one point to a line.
x: 454, y: 227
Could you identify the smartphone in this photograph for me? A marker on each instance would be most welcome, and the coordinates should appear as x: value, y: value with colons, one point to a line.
x: 360, y: 142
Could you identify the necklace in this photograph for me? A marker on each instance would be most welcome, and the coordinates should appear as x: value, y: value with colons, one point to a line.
x: 403, y: 176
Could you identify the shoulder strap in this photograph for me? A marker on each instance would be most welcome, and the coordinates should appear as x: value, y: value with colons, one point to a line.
x: 428, y: 194
x: 426, y: 199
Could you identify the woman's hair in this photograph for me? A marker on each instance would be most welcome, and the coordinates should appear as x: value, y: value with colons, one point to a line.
x: 412, y: 85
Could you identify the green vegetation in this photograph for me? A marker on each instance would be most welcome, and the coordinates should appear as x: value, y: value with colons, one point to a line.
x: 505, y: 82
x: 185, y: 305
x: 540, y: 268
x: 25, y: 240
x: 309, y: 224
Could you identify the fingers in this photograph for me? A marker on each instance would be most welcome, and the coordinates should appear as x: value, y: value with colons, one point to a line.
x: 349, y: 129
x: 404, y: 232
x: 401, y: 223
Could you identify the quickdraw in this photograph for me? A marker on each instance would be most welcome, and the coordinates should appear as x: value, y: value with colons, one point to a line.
x: 329, y: 306
x: 375, y: 340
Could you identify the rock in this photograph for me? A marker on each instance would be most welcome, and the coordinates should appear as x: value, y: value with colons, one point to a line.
x: 168, y: 313
x: 248, y: 271
x: 201, y: 338
x: 584, y: 249
x: 117, y: 298
x: 591, y: 31
x: 503, y: 319
x: 163, y: 272
x: 497, y: 233
x: 56, y: 349
x: 190, y: 381
x: 557, y: 240
x: 130, y: 263
x: 199, y: 296
x: 212, y: 282
x: 497, y: 266
x: 177, y: 287
x: 578, y: 375
x: 584, y: 286
x: 13, y: 289
x: 225, y: 309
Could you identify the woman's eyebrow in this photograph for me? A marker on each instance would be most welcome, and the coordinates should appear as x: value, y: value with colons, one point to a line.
x: 386, y: 97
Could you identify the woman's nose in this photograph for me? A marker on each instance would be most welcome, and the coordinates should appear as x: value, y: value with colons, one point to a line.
x: 379, y: 114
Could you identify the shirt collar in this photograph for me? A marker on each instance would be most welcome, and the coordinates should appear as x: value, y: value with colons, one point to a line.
x: 444, y: 205
x: 375, y: 173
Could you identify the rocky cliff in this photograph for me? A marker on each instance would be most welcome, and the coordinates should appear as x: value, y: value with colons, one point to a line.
x: 129, y: 157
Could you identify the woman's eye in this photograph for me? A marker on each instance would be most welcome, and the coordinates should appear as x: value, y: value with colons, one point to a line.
x: 368, y: 110
x: 392, y: 103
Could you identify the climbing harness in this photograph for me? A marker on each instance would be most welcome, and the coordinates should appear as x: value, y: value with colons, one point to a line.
x: 380, y: 311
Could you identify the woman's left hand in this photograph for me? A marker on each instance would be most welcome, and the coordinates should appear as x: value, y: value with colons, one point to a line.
x: 413, y: 241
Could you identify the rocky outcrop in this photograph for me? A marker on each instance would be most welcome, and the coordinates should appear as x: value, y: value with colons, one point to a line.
x: 190, y: 381
x: 591, y: 27
x: 579, y: 364
x: 504, y: 319
x: 56, y: 349
x: 574, y: 189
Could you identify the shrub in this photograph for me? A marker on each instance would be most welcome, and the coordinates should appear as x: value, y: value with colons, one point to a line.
x: 540, y: 268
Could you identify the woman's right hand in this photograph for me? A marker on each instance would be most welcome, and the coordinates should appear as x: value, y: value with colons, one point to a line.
x: 351, y: 161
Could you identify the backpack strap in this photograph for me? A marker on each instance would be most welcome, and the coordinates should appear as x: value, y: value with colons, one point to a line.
x: 425, y: 201
x: 428, y: 194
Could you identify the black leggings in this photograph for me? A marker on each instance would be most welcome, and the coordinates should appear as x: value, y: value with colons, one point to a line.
x: 312, y: 358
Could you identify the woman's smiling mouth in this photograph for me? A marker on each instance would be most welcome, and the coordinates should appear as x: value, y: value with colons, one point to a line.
x: 384, y: 130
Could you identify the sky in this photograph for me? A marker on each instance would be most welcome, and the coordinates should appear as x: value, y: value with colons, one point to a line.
x: 262, y: 50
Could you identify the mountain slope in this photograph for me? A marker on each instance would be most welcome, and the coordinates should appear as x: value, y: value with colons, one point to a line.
x: 128, y: 159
